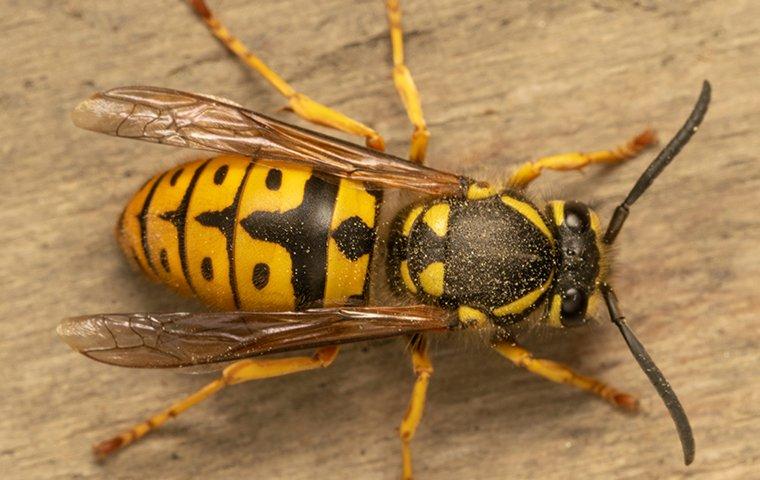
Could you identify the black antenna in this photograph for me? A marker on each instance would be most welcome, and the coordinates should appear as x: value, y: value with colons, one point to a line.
x: 658, y: 165
x: 656, y: 377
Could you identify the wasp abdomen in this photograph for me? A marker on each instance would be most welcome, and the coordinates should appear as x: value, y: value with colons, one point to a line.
x: 491, y: 257
x: 253, y: 235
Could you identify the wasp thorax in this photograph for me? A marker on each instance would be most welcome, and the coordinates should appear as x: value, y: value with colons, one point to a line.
x: 576, y: 228
x: 489, y: 258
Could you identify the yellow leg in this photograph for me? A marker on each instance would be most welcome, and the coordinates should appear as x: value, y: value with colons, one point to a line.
x: 423, y: 368
x: 302, y: 105
x: 559, y: 373
x: 405, y: 86
x: 238, y: 372
x: 529, y: 171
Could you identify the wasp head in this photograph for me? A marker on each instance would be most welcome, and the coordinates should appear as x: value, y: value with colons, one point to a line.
x: 579, y: 254
x: 580, y: 246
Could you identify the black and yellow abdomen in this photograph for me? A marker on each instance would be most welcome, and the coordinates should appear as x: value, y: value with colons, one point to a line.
x: 253, y: 235
x: 488, y: 258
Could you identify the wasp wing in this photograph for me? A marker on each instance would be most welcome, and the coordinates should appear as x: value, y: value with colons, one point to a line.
x: 203, y: 122
x: 166, y: 340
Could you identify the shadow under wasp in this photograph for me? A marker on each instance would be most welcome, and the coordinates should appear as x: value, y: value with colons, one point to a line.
x: 304, y: 241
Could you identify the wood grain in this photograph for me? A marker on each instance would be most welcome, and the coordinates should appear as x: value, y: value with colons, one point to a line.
x: 502, y: 82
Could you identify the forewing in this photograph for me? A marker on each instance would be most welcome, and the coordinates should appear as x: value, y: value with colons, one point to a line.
x: 202, y: 122
x: 165, y: 340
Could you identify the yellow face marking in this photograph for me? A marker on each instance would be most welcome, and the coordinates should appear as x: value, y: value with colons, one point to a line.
x: 558, y: 209
x: 472, y: 316
x: 345, y: 277
x: 554, y: 312
x: 437, y: 218
x: 206, y: 249
x: 406, y: 277
x: 522, y: 303
x: 431, y: 279
x: 479, y: 192
x: 530, y: 213
x: 594, y: 222
x: 409, y: 222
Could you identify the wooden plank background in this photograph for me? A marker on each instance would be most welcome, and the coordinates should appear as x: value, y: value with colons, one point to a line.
x: 502, y: 82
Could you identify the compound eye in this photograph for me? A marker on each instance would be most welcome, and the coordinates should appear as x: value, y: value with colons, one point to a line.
x: 574, y: 303
x: 576, y: 217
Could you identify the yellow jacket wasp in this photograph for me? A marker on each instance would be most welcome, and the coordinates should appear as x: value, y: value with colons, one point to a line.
x: 304, y: 241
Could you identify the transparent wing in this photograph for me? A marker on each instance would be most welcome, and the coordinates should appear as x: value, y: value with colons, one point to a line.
x: 203, y: 122
x: 165, y: 340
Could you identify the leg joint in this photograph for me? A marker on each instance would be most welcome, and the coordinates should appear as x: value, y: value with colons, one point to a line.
x: 326, y: 356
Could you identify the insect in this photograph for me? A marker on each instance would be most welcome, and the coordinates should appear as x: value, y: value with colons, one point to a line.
x: 303, y: 241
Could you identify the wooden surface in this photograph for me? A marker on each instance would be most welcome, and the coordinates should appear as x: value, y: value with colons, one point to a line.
x: 502, y: 83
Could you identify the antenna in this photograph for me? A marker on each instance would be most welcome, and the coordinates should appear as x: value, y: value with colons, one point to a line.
x: 656, y: 377
x: 658, y: 164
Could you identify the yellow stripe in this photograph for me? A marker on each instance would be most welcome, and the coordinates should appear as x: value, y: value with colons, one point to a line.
x: 344, y: 276
x: 205, y: 242
x: 472, y: 316
x: 437, y: 218
x: 558, y: 208
x: 409, y: 222
x: 162, y: 234
x: 406, y: 277
x: 431, y: 279
x: 522, y: 303
x: 277, y: 293
x: 478, y: 192
x: 594, y: 221
x: 527, y: 211
x: 554, y: 313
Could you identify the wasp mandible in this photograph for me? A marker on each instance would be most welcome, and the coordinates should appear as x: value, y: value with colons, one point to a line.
x: 303, y: 241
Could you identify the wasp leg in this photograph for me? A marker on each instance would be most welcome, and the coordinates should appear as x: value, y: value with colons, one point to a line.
x: 529, y: 171
x: 405, y: 86
x: 560, y: 373
x: 423, y: 368
x: 302, y: 105
x: 238, y: 372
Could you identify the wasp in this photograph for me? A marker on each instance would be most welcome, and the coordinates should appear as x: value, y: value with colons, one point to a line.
x: 301, y: 241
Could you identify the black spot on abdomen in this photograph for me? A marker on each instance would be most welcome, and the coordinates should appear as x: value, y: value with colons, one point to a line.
x: 207, y: 269
x: 274, y: 179
x: 164, y: 258
x: 260, y: 275
x: 220, y: 174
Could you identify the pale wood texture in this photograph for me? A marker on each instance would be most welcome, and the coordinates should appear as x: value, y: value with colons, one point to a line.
x: 502, y: 82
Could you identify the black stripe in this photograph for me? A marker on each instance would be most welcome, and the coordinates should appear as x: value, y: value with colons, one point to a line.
x: 142, y: 218
x: 224, y: 220
x: 231, y: 242
x: 178, y: 218
x: 303, y: 231
x: 378, y: 194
